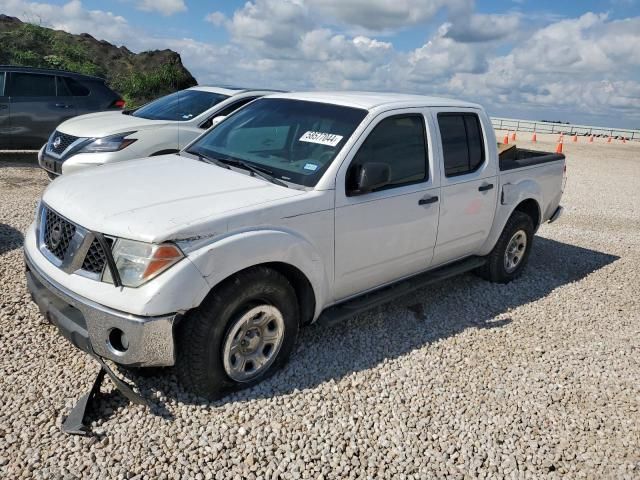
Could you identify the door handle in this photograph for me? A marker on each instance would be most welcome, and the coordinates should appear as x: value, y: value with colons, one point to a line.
x: 427, y: 200
x: 63, y: 105
x: 2, y: 107
x: 484, y: 188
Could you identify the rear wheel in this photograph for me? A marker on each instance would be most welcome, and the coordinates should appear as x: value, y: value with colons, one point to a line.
x: 242, y: 333
x: 509, y: 257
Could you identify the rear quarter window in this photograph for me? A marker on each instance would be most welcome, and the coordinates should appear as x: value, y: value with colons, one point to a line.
x: 76, y: 88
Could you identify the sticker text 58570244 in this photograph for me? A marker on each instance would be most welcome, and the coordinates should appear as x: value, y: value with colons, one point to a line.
x: 322, y: 138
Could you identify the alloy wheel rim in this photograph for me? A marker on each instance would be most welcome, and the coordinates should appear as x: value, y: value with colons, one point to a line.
x: 253, y: 343
x: 515, y: 251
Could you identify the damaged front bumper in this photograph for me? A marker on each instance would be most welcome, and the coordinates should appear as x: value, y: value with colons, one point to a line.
x: 98, y: 330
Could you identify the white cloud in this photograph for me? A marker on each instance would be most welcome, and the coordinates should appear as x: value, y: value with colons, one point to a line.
x: 165, y: 7
x: 386, y: 14
x: 216, y: 18
x: 442, y: 56
x: 276, y: 24
x: 572, y: 68
x: 483, y: 27
x: 590, y: 44
x: 71, y: 17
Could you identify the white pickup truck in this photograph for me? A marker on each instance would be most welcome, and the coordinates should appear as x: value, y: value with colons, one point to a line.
x: 297, y: 208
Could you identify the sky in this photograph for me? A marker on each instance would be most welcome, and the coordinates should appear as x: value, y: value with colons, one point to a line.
x: 569, y: 60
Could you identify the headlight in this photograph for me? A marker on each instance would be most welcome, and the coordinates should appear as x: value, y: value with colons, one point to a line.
x: 112, y: 143
x: 139, y: 262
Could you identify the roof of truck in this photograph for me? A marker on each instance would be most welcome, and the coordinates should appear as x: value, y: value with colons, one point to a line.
x: 370, y: 100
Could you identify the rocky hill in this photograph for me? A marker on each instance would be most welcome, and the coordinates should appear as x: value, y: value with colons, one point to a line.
x: 137, y: 77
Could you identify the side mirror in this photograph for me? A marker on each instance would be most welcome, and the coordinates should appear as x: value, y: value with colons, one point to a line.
x: 217, y: 120
x: 212, y: 121
x: 368, y: 177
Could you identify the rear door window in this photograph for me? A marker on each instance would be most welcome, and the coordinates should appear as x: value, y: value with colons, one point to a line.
x: 462, y: 144
x: 62, y: 89
x: 31, y: 85
x: 76, y: 88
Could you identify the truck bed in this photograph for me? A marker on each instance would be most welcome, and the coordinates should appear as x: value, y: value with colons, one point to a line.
x: 513, y: 157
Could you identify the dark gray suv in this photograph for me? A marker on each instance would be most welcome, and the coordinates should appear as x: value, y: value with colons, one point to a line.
x: 34, y: 101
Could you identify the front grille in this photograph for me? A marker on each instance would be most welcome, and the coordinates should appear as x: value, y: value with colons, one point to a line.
x: 65, y: 141
x: 57, y: 233
x: 96, y: 258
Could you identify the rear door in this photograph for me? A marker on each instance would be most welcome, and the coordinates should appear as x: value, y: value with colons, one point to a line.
x: 390, y: 233
x: 5, y: 114
x: 76, y: 93
x: 469, y: 184
x: 65, y: 100
x: 35, y: 108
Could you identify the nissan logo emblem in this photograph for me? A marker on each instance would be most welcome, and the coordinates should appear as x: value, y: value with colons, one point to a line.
x: 56, y: 235
x: 56, y: 142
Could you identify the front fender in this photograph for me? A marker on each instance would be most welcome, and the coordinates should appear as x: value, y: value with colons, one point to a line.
x: 511, y: 195
x: 238, y: 251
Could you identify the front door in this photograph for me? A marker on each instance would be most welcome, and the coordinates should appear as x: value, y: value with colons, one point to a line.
x: 36, y: 111
x: 469, y: 185
x: 388, y: 234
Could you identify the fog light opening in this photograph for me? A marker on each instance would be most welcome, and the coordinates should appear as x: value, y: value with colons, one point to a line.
x: 118, y: 340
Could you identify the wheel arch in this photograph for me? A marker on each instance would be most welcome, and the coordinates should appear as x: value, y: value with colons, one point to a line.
x: 527, y: 204
x: 530, y: 207
x: 306, y: 297
x: 288, y: 254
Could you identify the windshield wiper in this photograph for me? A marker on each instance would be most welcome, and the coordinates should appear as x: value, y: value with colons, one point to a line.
x: 257, y: 171
x: 206, y: 159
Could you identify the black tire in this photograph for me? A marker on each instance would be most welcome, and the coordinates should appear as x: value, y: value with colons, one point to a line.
x: 52, y: 176
x: 495, y: 269
x: 202, y: 333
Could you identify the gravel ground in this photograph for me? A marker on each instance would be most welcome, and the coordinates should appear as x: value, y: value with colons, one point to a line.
x: 538, y: 378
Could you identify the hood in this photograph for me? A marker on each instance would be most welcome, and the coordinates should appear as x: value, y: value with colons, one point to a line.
x: 102, y: 124
x: 167, y: 197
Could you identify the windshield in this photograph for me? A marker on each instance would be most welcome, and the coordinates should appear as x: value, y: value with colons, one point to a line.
x: 179, y: 106
x: 292, y: 140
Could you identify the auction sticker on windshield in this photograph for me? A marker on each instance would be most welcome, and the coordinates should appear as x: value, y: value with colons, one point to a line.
x: 322, y: 138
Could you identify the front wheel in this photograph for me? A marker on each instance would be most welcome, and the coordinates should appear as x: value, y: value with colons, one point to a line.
x: 509, y: 257
x: 242, y: 333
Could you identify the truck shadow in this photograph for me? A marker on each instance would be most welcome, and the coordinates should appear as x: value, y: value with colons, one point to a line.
x: 416, y: 320
x: 10, y: 238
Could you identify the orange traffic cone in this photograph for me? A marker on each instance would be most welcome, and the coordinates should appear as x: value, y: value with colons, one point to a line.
x: 559, y: 147
x: 575, y: 137
x: 534, y: 139
x: 561, y: 137
x: 609, y: 139
x: 513, y: 136
x: 591, y: 139
x: 505, y: 140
